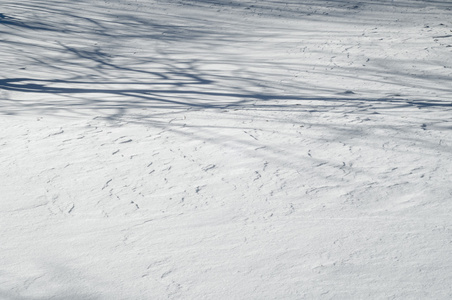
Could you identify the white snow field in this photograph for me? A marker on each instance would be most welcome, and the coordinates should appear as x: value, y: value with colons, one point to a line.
x: 213, y: 149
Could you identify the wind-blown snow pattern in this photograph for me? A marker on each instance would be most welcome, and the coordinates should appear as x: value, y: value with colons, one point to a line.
x: 203, y: 149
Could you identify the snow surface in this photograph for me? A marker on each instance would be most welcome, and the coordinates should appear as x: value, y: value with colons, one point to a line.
x: 202, y: 149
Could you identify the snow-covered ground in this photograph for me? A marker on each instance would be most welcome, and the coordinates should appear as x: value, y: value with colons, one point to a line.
x: 202, y: 149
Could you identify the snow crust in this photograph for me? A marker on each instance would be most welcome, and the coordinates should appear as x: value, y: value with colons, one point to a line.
x: 225, y: 149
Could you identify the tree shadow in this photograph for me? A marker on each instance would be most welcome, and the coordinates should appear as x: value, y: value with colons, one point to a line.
x: 111, y: 58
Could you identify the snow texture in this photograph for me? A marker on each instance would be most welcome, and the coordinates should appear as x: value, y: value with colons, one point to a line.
x: 197, y: 149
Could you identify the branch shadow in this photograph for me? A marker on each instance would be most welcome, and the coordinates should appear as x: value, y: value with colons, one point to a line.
x: 111, y: 58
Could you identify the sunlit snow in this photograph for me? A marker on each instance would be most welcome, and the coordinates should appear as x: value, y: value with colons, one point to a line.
x: 203, y: 149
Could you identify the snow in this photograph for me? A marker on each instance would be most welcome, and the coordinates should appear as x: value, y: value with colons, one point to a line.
x: 225, y: 149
